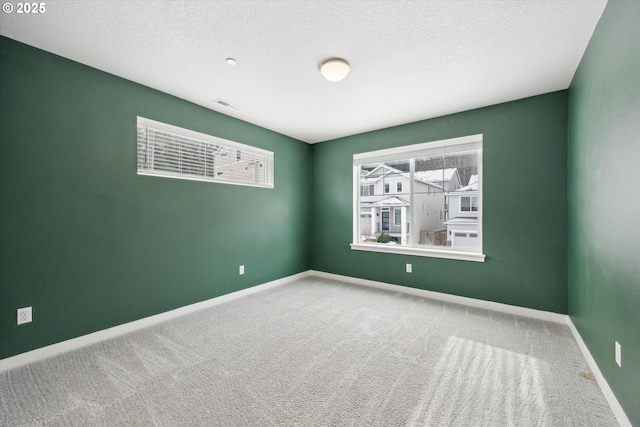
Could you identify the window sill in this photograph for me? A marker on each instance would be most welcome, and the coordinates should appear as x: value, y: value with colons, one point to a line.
x: 408, y: 250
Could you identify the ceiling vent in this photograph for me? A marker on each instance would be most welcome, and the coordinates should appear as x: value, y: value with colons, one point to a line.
x: 227, y: 104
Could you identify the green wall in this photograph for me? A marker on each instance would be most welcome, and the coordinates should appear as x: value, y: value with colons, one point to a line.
x: 90, y: 245
x: 87, y: 242
x: 604, y: 199
x: 525, y: 213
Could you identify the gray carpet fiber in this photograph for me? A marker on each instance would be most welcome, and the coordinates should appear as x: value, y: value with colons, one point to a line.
x: 317, y: 353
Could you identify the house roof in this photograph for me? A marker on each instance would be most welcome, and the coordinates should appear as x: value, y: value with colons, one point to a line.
x: 436, y: 175
x: 390, y: 170
x: 370, y: 179
x: 389, y: 201
x: 424, y: 177
x: 463, y: 220
x: 473, y: 185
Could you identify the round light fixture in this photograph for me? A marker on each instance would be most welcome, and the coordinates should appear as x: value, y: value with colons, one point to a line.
x: 335, y: 69
x: 231, y: 61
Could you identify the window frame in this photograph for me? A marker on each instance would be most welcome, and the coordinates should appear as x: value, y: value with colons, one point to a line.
x: 399, y: 187
x: 470, y: 204
x: 370, y: 189
x: 397, y: 212
x: 241, y: 151
x: 446, y: 146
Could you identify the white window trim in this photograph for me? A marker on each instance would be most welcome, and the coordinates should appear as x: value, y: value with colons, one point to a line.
x: 399, y: 153
x: 187, y: 133
x: 411, y: 250
x: 370, y: 190
x: 470, y: 204
x: 399, y: 187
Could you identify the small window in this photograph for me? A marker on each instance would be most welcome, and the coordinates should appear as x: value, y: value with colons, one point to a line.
x: 386, y: 187
x: 173, y: 152
x: 367, y: 190
x: 468, y: 204
x: 399, y: 187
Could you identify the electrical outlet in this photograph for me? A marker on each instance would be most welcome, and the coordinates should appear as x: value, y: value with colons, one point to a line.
x: 24, y: 315
x: 618, y: 354
x: 409, y: 268
x: 242, y: 269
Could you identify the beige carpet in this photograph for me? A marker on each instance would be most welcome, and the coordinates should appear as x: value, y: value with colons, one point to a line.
x: 317, y: 353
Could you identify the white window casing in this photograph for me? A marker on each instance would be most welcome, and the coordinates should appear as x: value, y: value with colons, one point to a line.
x: 169, y: 151
x: 452, y: 147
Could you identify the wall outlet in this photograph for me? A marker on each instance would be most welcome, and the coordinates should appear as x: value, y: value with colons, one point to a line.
x: 618, y: 354
x: 242, y: 269
x: 409, y: 268
x: 24, y: 315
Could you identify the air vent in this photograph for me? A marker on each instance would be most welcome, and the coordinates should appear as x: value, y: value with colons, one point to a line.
x: 227, y: 104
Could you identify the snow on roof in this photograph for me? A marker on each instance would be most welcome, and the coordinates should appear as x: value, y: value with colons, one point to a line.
x: 436, y: 175
x: 463, y: 220
x: 390, y: 201
x: 368, y: 179
x: 389, y: 170
x: 472, y: 187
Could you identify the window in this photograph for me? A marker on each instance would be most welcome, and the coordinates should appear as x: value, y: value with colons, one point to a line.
x: 468, y: 204
x: 172, y: 152
x: 366, y: 190
x: 437, y: 208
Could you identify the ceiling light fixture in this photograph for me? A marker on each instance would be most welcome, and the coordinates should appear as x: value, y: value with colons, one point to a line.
x: 231, y: 61
x: 335, y: 69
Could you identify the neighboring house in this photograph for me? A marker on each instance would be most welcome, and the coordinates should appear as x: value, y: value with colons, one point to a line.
x: 385, y: 205
x: 462, y: 218
x: 448, y: 178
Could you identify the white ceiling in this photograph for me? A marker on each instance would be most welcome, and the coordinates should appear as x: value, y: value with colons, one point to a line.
x: 411, y: 60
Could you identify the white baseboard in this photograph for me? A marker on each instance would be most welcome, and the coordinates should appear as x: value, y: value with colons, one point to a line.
x: 604, y: 386
x: 504, y: 308
x: 84, y: 340
x: 74, y: 343
x: 488, y: 305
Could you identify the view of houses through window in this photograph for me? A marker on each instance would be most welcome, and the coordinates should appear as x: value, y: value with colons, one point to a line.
x: 427, y: 201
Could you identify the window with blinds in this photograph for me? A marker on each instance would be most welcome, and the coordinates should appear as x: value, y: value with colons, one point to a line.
x: 172, y: 152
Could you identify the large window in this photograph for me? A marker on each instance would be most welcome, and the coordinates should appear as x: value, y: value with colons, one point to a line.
x: 437, y: 209
x: 172, y: 152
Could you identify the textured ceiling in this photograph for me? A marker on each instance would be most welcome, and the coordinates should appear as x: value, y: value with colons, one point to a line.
x: 411, y: 60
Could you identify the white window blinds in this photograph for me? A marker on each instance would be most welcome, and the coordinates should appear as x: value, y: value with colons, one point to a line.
x: 169, y: 151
